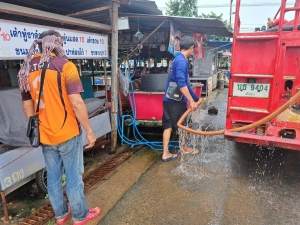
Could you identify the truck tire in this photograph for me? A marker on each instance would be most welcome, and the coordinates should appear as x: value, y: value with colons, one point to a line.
x: 284, y: 28
x: 41, y: 180
x: 154, y: 82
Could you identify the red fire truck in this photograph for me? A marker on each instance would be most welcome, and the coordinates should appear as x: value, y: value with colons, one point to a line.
x: 265, y: 74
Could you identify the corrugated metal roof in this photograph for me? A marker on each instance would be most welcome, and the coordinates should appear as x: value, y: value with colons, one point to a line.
x: 140, y: 7
x: 135, y: 7
x: 62, y: 7
x: 184, y: 24
x: 66, y: 7
x: 145, y: 11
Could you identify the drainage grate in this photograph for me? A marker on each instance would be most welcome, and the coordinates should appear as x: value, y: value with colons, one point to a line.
x: 45, y: 213
x: 99, y: 173
x: 39, y: 217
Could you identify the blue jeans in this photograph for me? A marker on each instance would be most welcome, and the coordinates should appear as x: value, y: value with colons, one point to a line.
x: 66, y: 156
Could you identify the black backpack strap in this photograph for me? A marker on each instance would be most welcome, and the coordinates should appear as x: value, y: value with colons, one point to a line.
x: 42, y: 84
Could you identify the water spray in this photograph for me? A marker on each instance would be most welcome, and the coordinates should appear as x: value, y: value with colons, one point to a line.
x: 239, y: 129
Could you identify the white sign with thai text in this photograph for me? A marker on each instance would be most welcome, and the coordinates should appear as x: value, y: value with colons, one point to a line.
x: 16, y: 39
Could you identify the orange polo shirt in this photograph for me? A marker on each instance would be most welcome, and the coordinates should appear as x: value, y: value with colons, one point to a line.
x: 58, y: 122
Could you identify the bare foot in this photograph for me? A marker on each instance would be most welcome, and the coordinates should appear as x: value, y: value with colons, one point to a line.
x: 190, y: 151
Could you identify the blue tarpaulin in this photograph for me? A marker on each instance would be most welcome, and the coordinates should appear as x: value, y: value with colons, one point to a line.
x: 226, y: 45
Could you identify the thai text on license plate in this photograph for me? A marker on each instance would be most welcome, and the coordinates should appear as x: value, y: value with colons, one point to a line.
x: 253, y: 90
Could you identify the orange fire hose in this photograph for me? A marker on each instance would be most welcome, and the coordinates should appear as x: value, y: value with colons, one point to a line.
x: 239, y: 129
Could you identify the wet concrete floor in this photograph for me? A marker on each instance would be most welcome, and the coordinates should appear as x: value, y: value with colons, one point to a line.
x: 226, y: 184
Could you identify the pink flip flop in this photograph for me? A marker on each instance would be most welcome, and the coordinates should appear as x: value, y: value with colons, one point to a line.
x: 65, y: 219
x: 93, y: 214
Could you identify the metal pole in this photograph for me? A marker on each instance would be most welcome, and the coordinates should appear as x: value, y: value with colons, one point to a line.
x: 79, y: 67
x: 114, y: 77
x: 93, y: 75
x: 105, y: 78
x: 230, y: 14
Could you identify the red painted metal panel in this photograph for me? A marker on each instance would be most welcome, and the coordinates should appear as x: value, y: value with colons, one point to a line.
x: 293, y: 144
x: 149, y: 105
x: 291, y: 65
x: 254, y: 56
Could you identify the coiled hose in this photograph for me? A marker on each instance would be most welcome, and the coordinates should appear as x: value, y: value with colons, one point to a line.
x: 239, y: 129
x: 138, y: 138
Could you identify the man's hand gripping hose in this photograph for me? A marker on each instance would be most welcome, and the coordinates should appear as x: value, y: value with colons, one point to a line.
x: 239, y: 129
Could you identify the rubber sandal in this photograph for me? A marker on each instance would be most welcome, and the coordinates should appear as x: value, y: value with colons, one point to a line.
x: 93, y: 214
x: 170, y: 158
x: 65, y: 219
x: 192, y: 152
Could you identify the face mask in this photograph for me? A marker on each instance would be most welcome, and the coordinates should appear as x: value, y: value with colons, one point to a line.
x: 176, y: 53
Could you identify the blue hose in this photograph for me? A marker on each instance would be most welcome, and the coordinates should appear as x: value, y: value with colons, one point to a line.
x: 138, y: 138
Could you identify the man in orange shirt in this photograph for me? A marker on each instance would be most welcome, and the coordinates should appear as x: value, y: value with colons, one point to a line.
x: 61, y: 112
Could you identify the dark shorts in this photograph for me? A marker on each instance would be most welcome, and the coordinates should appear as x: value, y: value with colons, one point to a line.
x: 172, y: 113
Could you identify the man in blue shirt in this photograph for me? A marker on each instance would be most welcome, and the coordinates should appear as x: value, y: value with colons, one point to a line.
x: 172, y: 109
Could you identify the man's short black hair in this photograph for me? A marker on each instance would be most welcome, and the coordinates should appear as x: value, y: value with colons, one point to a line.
x: 178, y: 38
x: 186, y: 42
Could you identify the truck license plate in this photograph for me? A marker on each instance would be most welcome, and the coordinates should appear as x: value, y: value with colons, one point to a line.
x: 254, y: 90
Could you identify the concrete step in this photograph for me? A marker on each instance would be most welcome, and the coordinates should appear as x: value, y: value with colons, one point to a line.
x: 109, y: 191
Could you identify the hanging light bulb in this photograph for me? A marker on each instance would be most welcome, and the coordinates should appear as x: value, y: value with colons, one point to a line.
x: 138, y: 34
x: 162, y: 47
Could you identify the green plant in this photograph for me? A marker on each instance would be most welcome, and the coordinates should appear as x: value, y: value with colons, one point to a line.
x: 182, y: 8
x: 51, y: 222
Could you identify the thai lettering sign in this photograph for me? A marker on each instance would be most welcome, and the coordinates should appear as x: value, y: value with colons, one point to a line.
x: 16, y: 39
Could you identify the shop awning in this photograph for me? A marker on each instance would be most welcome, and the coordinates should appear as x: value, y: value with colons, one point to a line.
x: 220, y: 44
x: 184, y: 24
x: 96, y: 13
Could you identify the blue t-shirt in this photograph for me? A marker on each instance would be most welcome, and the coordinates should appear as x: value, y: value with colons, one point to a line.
x: 180, y: 75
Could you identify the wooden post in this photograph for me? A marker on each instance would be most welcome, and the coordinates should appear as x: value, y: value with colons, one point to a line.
x: 114, y: 77
x: 4, y: 206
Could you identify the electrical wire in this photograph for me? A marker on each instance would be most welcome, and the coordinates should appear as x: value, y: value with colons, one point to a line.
x: 242, y: 5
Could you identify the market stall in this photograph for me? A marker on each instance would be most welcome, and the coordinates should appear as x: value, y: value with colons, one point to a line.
x: 151, y: 42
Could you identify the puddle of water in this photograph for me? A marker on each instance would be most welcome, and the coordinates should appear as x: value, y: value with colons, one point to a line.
x: 261, y: 180
x: 259, y: 173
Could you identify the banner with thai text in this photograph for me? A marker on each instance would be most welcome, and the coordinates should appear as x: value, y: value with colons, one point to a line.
x: 16, y: 39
